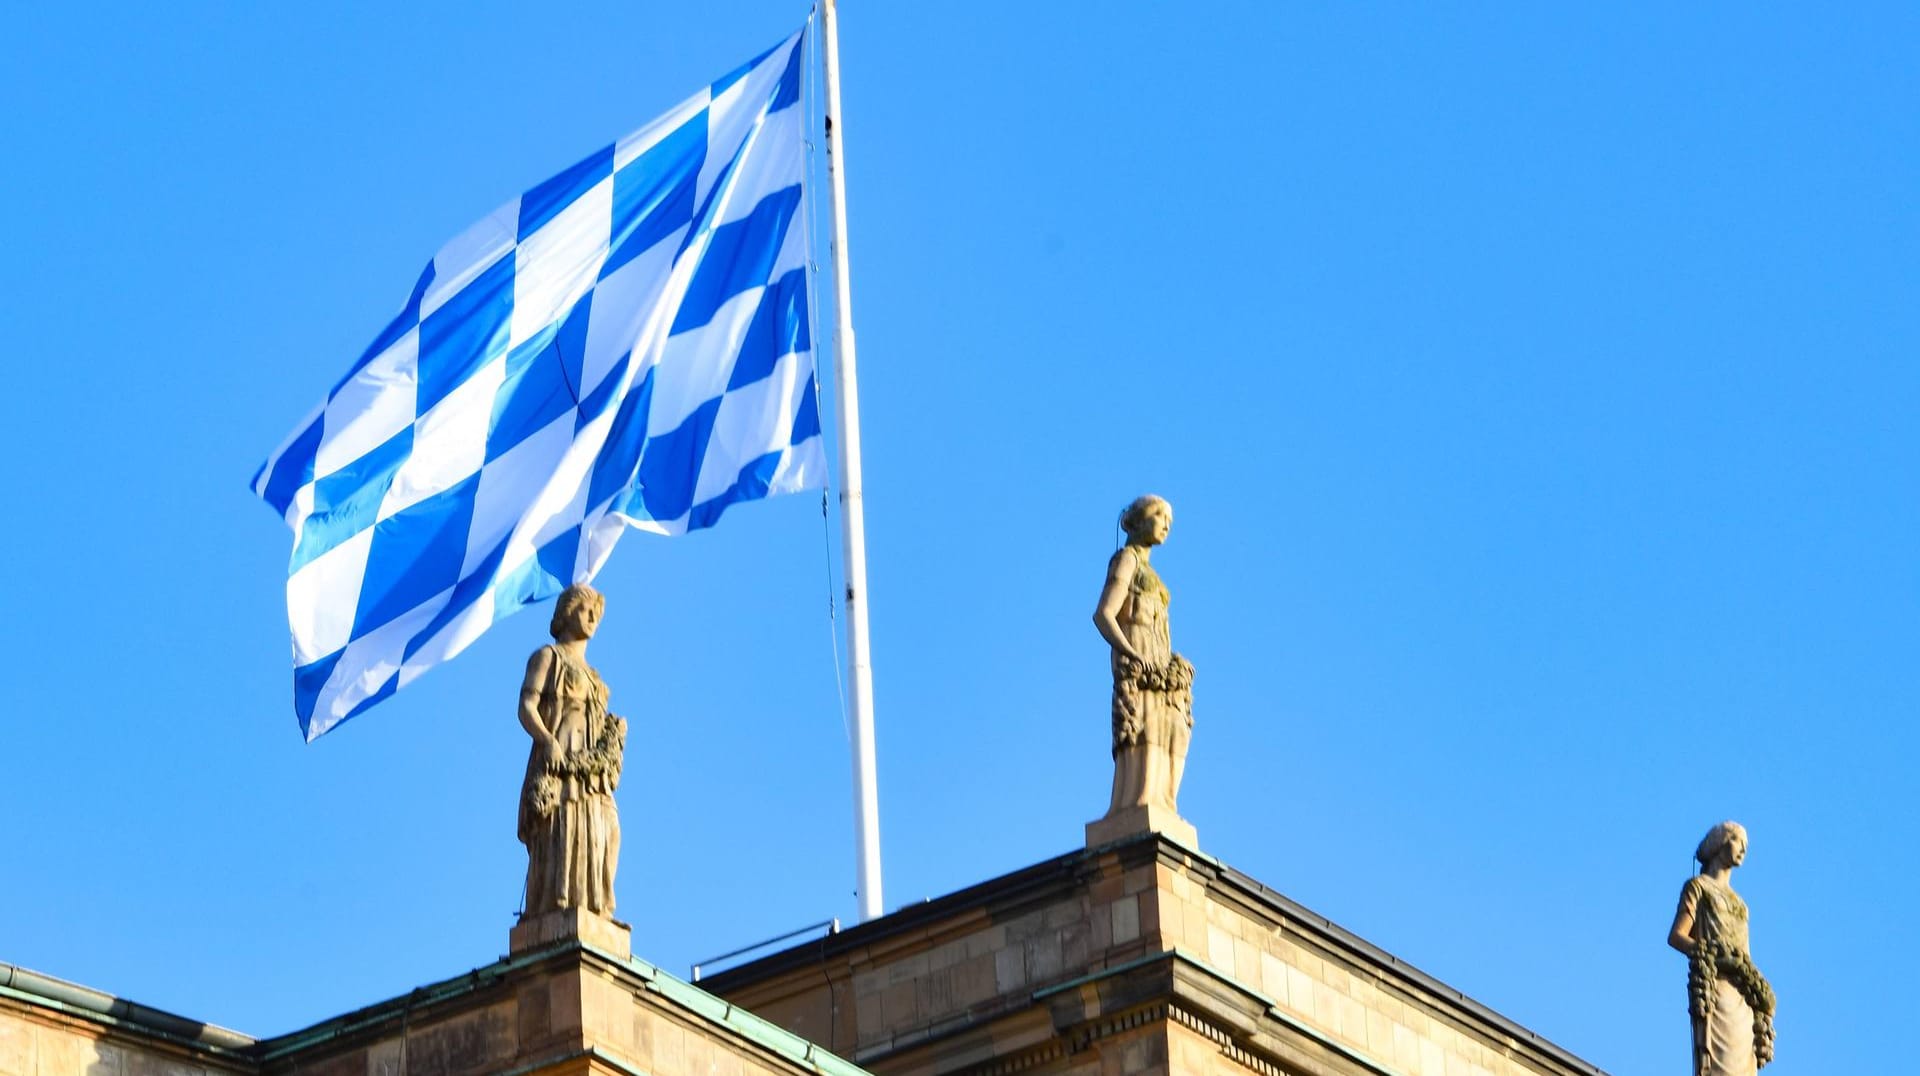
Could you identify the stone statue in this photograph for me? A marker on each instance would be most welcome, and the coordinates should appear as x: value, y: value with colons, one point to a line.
x: 1730, y: 1001
x: 567, y: 816
x: 1152, y: 685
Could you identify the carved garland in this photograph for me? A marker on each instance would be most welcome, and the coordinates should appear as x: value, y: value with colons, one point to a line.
x: 603, y: 760
x: 1174, y: 674
x: 1135, y: 678
x: 1712, y: 959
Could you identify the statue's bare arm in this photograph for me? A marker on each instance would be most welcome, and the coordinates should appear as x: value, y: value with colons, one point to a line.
x: 539, y: 667
x: 1681, y: 936
x: 1106, y: 615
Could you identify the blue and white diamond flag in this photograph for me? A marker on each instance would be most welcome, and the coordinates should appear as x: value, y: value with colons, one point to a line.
x: 626, y: 344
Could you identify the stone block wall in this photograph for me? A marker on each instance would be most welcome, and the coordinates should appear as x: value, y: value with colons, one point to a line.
x: 570, y: 1010
x: 41, y: 1040
x: 563, y: 1010
x: 1042, y: 969
x: 1327, y: 981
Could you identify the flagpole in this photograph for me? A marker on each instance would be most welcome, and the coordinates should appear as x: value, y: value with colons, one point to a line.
x: 853, y: 534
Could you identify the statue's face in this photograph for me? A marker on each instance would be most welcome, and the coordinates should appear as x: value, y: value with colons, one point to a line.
x: 1736, y: 851
x: 583, y: 618
x: 1154, y: 523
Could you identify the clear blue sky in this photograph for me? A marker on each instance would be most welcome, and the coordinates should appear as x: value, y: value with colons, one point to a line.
x: 1535, y: 389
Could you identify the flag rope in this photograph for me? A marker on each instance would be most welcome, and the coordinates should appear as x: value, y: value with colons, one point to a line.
x: 811, y: 86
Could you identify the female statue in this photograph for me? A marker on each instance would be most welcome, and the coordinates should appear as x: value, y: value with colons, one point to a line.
x: 1731, y: 1003
x: 567, y: 817
x: 1152, y: 685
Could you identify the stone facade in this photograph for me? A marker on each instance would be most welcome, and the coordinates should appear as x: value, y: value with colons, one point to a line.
x: 566, y: 1010
x: 53, y: 1028
x: 1142, y: 956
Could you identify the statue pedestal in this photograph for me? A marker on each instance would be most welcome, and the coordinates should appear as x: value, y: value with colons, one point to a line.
x: 1152, y: 818
x: 539, y: 931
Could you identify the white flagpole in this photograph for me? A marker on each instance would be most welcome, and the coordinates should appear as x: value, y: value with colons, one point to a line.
x: 853, y: 534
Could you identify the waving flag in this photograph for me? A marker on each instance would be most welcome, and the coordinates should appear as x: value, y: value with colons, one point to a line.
x: 625, y: 344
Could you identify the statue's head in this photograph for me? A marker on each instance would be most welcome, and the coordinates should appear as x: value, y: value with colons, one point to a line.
x: 1147, y: 520
x: 1727, y: 837
x: 577, y: 612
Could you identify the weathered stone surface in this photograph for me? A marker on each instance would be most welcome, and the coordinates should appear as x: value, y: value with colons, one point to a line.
x: 1167, y: 962
x: 1133, y: 821
x: 386, y: 1058
x: 473, y: 1041
x: 539, y: 931
x: 563, y: 1011
x: 50, y: 1042
x: 18, y: 1051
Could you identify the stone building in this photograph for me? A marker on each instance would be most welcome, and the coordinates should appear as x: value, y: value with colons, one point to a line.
x: 567, y: 1008
x: 1137, y: 954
